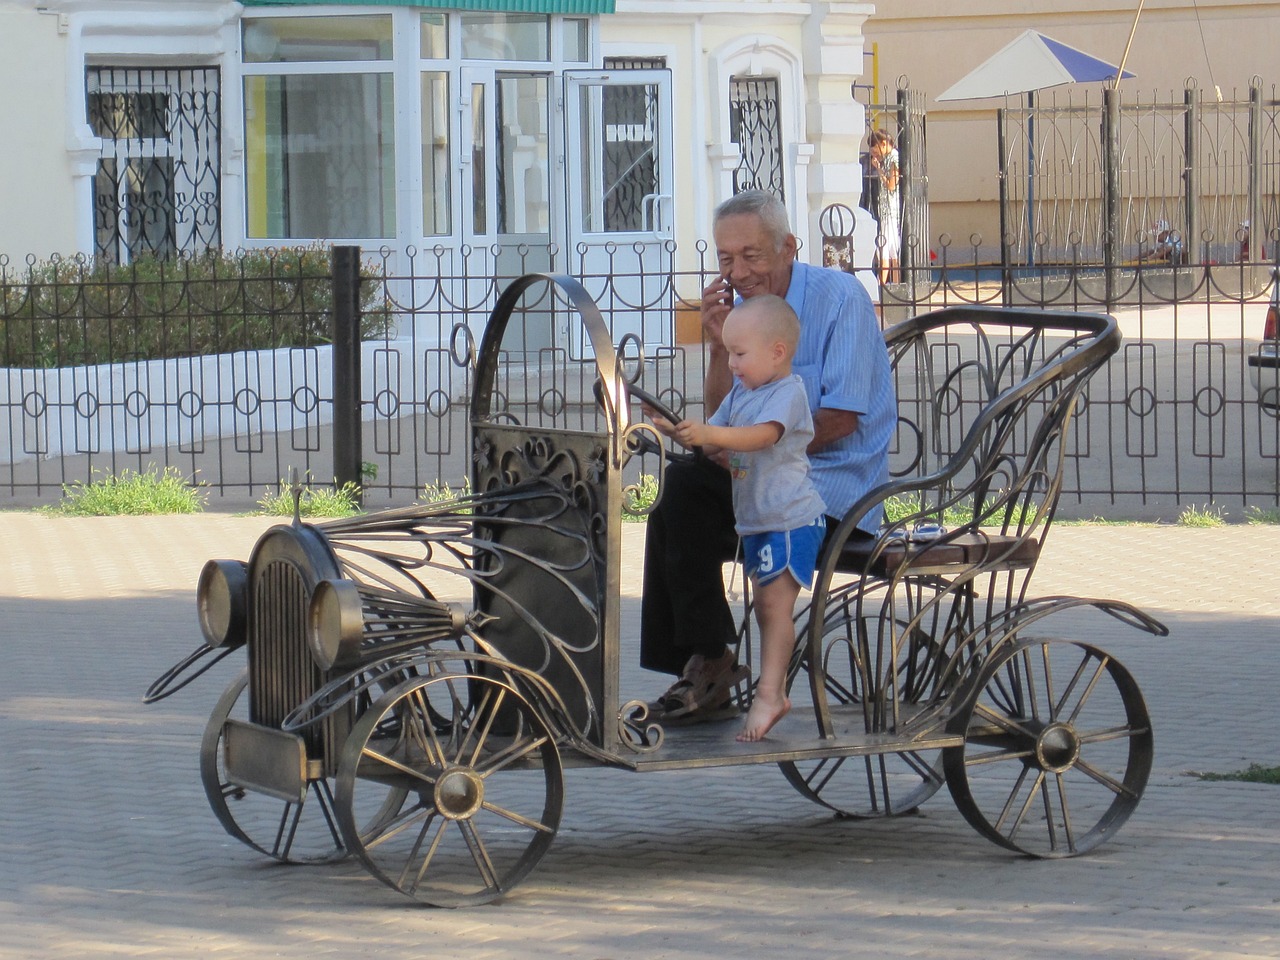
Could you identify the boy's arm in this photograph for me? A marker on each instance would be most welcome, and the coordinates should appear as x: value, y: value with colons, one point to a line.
x: 757, y: 436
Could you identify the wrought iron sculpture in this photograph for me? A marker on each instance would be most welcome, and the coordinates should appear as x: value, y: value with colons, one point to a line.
x: 428, y: 737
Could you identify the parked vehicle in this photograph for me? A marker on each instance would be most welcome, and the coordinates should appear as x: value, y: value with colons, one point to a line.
x: 1264, y: 365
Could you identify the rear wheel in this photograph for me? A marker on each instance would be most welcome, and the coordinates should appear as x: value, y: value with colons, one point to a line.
x: 1058, y: 748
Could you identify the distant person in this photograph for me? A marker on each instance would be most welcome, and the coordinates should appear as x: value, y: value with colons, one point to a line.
x: 765, y: 426
x: 1168, y: 245
x: 884, y: 161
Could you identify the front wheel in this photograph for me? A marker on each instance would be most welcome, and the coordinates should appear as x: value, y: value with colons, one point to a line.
x: 1058, y: 748
x: 483, y: 780
x: 299, y: 831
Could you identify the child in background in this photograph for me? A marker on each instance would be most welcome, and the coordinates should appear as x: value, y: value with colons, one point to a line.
x: 765, y: 426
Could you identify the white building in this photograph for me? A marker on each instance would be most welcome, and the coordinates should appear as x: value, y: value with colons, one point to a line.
x: 555, y: 125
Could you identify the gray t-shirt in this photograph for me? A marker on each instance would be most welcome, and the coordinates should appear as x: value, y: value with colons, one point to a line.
x: 771, y: 487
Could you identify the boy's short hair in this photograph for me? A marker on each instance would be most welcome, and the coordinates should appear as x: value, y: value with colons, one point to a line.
x: 774, y: 317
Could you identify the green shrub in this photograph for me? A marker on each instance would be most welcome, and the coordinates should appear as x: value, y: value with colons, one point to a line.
x: 69, y: 312
x: 443, y: 493
x: 131, y: 494
x: 638, y: 499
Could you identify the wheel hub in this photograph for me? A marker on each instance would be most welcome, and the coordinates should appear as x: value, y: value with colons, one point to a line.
x: 1057, y: 748
x: 459, y: 793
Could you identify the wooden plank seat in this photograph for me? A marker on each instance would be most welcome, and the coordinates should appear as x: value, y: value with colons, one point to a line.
x: 992, y: 551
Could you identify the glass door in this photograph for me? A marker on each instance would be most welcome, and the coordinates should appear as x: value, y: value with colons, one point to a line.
x: 618, y: 194
x: 506, y: 181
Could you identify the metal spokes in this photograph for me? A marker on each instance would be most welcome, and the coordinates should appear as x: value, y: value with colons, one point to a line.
x: 483, y: 780
x: 1057, y: 752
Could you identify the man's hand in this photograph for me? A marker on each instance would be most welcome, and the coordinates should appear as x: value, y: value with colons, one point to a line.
x: 717, y: 301
x: 660, y: 423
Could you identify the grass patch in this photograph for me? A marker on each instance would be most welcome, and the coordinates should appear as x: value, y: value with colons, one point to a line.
x: 1207, y: 516
x: 130, y: 494
x: 443, y: 492
x: 1258, y: 515
x: 343, y: 501
x: 1254, y: 773
x: 897, y: 509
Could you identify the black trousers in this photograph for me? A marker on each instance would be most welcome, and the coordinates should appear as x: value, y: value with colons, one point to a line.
x: 688, y: 539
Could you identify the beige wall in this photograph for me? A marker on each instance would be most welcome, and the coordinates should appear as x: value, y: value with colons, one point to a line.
x: 36, y: 209
x: 933, y: 46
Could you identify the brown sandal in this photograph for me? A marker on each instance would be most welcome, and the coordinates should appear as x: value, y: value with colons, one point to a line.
x: 704, y: 683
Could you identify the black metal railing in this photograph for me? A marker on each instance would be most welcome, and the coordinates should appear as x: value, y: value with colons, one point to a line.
x: 129, y: 370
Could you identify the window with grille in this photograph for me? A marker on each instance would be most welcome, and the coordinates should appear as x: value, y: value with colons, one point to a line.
x: 157, y: 186
x: 755, y: 126
x: 630, y: 116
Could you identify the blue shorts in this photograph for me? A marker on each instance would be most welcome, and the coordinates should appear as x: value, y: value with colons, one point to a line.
x: 766, y: 555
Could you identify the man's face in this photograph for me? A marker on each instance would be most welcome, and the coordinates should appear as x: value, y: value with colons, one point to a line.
x: 748, y: 259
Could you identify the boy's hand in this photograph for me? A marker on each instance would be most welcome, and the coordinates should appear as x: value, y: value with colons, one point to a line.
x: 691, y: 433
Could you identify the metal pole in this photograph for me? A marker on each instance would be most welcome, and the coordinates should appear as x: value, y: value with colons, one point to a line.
x: 906, y: 208
x: 347, y: 446
x: 1002, y: 179
x: 1257, y: 233
x: 1111, y: 189
x: 1191, y: 176
x: 1132, y: 31
x: 1031, y: 178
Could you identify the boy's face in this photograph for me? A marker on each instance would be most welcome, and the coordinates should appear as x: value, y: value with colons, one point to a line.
x: 754, y: 358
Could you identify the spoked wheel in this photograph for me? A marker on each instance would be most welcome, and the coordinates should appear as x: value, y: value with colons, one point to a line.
x: 290, y: 832
x: 1058, y: 748
x: 484, y: 782
x: 866, y: 787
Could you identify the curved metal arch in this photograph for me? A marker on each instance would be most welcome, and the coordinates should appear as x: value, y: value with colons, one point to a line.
x: 612, y: 380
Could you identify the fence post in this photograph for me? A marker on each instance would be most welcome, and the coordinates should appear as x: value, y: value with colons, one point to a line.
x: 1111, y: 190
x: 1002, y: 179
x: 1191, y: 175
x: 1257, y: 233
x: 345, y: 276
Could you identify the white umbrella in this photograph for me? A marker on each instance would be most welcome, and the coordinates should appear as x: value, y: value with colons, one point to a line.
x: 1030, y: 62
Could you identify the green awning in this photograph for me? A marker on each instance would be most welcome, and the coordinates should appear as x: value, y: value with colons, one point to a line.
x: 497, y: 6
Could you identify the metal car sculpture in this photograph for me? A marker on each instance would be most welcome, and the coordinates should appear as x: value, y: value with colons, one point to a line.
x: 429, y: 737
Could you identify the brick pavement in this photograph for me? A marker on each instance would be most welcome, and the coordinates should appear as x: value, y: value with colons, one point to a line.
x: 109, y: 848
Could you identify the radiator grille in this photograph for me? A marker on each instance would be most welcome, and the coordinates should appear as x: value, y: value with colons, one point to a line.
x: 282, y: 672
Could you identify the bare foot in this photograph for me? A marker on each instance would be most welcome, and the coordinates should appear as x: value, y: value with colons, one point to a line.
x: 761, y: 718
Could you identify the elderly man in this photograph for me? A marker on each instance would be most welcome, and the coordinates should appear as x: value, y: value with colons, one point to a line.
x: 686, y: 624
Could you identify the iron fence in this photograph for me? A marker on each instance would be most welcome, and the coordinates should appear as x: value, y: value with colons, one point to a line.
x: 1131, y: 179
x: 1175, y: 420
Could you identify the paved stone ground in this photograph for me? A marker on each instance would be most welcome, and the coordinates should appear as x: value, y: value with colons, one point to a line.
x: 108, y: 847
